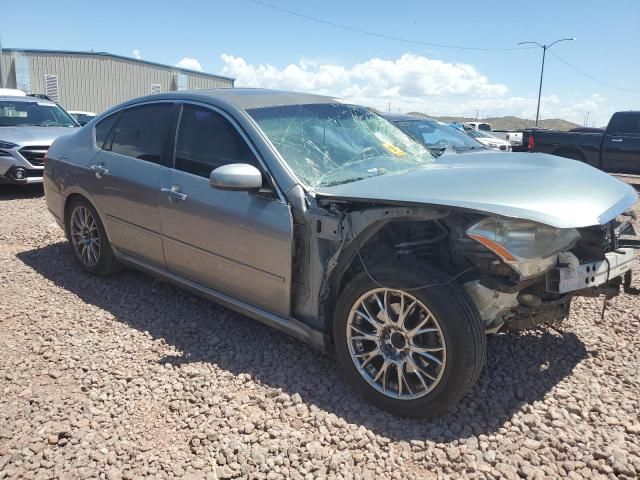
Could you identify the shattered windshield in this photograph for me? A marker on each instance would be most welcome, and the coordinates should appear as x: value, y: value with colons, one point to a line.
x: 332, y: 144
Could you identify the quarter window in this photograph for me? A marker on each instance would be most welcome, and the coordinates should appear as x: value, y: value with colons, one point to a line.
x: 207, y: 140
x: 103, y: 127
x: 142, y: 132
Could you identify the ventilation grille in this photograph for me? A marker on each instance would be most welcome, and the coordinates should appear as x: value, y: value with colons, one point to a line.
x: 51, y: 87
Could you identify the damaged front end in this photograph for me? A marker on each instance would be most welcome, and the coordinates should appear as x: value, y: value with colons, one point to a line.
x: 547, y: 267
x: 519, y: 274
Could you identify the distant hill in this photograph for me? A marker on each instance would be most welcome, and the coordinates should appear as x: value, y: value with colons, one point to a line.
x: 511, y: 123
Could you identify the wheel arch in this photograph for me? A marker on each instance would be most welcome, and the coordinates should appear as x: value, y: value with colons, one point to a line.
x: 571, y: 153
x: 78, y: 193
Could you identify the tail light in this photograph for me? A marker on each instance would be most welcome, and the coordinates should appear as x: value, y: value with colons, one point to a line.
x: 532, y: 143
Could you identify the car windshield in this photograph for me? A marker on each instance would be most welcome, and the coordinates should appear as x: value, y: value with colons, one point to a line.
x: 35, y: 113
x: 439, y: 136
x: 332, y: 144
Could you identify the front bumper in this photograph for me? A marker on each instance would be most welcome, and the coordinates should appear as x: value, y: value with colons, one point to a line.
x: 12, y: 161
x: 565, y: 279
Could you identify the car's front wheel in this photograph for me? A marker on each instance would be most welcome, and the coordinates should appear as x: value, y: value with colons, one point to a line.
x: 412, y: 352
x: 86, y: 233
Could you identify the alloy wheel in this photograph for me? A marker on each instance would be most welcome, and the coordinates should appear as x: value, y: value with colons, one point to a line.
x: 396, y: 343
x: 85, y: 236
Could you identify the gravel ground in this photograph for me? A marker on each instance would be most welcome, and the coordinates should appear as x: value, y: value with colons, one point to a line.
x: 127, y: 377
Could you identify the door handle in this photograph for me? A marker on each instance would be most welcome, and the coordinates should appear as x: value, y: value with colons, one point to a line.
x: 617, y: 140
x: 174, y: 193
x: 100, y: 170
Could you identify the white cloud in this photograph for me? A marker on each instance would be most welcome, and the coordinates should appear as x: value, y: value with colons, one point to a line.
x: 411, y: 83
x: 190, y: 63
x: 137, y: 54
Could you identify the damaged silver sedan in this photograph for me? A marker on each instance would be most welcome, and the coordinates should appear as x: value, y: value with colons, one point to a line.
x: 326, y: 221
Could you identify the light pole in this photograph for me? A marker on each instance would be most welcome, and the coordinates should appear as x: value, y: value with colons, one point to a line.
x: 544, y: 53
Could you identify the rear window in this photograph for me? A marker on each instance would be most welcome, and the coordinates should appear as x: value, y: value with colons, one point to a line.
x: 629, y: 123
x: 33, y: 114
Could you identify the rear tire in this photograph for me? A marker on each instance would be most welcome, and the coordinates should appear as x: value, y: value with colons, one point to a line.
x: 86, y: 233
x: 431, y: 340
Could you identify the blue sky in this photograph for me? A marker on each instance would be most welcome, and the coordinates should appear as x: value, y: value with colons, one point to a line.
x: 261, y: 46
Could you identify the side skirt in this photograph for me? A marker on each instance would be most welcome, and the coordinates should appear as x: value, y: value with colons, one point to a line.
x: 290, y: 326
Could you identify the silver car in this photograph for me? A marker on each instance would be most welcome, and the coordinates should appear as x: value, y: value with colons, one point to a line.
x: 28, y: 126
x: 326, y: 221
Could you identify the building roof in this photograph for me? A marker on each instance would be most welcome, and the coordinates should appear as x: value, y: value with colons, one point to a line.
x: 112, y: 55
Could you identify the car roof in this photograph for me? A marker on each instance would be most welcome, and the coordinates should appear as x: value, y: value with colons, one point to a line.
x: 399, y: 117
x: 245, y: 98
x: 11, y: 98
x: 81, y: 112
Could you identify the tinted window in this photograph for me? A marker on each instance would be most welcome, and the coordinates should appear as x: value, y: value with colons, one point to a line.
x: 626, y: 124
x: 142, y: 132
x: 103, y: 127
x: 206, y: 140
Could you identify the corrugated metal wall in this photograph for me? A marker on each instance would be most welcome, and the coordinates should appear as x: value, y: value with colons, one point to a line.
x: 98, y: 82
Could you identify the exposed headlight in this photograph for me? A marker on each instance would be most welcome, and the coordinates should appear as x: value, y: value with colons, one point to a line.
x: 7, y: 145
x: 529, y: 247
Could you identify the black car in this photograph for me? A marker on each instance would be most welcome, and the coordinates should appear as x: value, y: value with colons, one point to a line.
x: 435, y: 135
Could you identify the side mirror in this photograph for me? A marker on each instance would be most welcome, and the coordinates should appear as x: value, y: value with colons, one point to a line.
x: 236, y: 176
x: 82, y: 123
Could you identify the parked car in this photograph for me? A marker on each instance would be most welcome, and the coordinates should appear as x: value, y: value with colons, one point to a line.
x: 28, y: 125
x: 482, y: 126
x: 615, y: 150
x: 491, y: 141
x: 326, y: 221
x: 438, y: 137
x: 511, y: 136
x: 82, y: 117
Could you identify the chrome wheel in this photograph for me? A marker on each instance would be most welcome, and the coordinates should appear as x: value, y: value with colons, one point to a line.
x: 85, y: 236
x: 396, y: 343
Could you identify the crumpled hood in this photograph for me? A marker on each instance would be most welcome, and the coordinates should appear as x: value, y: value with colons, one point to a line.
x: 533, y: 186
x: 34, y: 135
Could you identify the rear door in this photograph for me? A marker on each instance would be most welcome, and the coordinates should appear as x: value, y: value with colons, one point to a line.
x: 621, y: 143
x: 236, y: 243
x: 130, y: 170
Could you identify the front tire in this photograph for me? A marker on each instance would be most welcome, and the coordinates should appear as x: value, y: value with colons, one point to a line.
x: 411, y: 352
x: 86, y: 233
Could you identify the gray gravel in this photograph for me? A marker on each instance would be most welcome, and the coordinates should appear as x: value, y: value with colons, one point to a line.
x: 127, y: 377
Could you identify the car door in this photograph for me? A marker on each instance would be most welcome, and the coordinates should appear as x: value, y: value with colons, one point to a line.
x: 130, y: 169
x: 621, y: 144
x: 236, y: 243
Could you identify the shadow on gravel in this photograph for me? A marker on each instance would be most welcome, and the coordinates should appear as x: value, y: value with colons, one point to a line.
x: 520, y: 369
x: 14, y: 192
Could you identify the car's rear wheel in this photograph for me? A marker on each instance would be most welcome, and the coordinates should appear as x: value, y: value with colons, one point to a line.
x: 88, y: 238
x: 412, y: 352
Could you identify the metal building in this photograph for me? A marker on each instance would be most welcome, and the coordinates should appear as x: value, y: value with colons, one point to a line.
x: 95, y: 81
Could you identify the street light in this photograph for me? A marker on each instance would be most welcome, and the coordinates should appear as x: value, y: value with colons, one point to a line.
x: 544, y: 53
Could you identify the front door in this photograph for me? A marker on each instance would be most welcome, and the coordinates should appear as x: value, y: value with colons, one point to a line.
x: 621, y: 144
x: 130, y: 170
x: 236, y: 243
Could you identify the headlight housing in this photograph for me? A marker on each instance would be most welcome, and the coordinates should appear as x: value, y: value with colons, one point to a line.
x: 7, y: 145
x: 529, y: 247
